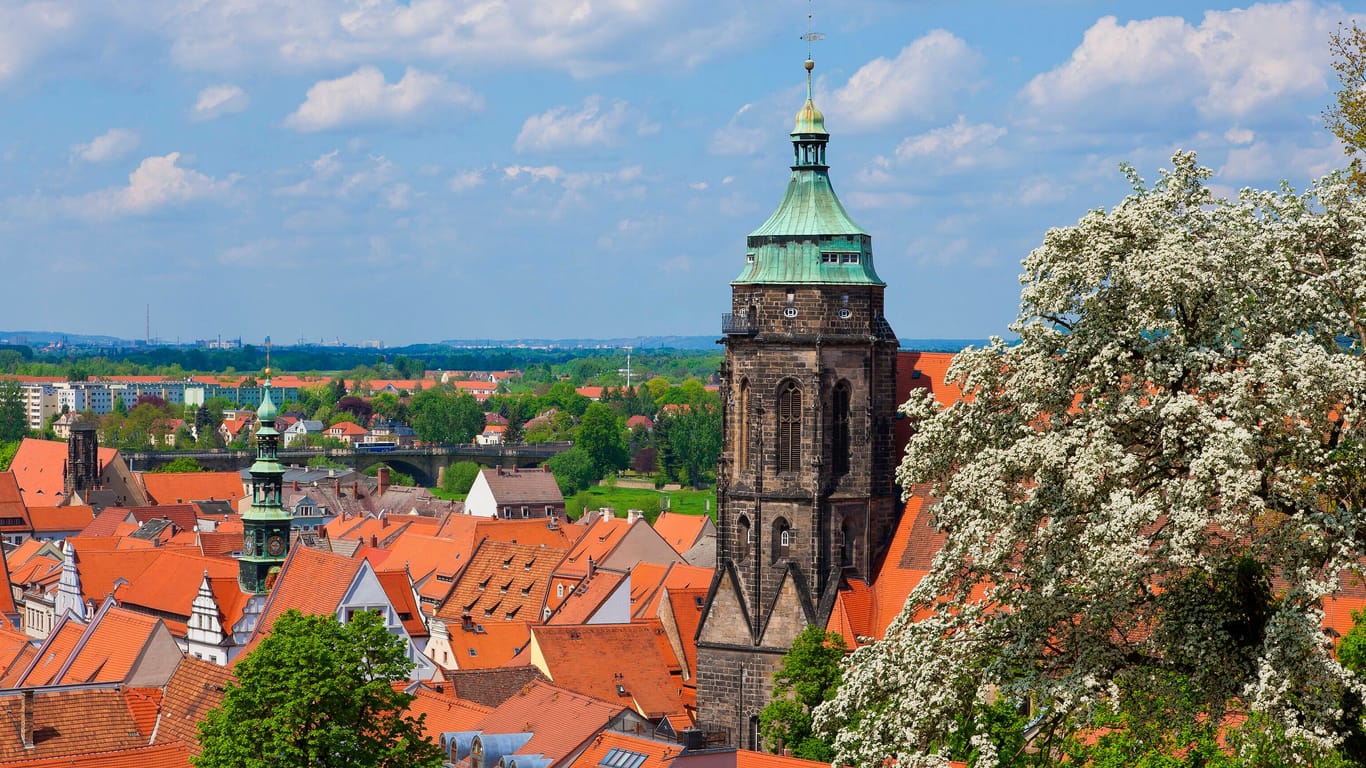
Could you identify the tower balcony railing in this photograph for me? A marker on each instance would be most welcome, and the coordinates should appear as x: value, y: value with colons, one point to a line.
x: 738, y: 324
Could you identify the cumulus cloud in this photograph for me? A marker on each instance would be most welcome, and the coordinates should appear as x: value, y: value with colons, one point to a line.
x: 111, y: 145
x: 1234, y: 64
x: 958, y: 146
x: 27, y: 31
x: 921, y: 82
x: 364, y: 96
x: 218, y: 100
x: 158, y: 182
x: 466, y: 180
x: 591, y: 124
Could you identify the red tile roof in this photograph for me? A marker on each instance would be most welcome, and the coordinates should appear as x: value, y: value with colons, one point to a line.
x: 168, y: 585
x: 484, y: 645
x: 744, y: 758
x: 657, y: 754
x: 560, y: 719
x: 185, y: 487
x: 649, y: 580
x: 184, y: 516
x: 312, y: 581
x: 597, y: 541
x: 143, y: 704
x: 52, y: 655
x: 680, y: 530
x: 502, y: 582
x: 12, y: 505
x: 39, y: 464
x: 399, y: 589
x: 634, y: 657
x: 113, y: 645
x: 585, y: 599
x: 195, y: 687
x: 57, y: 519
x: 445, y: 713
x: 102, y: 569
x: 68, y: 723
x: 686, y: 607
x: 164, y: 756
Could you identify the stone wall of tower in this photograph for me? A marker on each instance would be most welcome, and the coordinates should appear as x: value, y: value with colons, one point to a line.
x: 729, y: 680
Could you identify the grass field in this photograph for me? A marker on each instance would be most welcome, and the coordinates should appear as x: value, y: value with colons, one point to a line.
x: 646, y: 500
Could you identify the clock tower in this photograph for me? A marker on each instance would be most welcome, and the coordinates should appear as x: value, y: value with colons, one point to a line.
x: 265, y: 524
x: 806, y: 495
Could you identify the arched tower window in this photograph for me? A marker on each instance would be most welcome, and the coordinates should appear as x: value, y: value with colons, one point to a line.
x: 742, y: 426
x: 789, y: 426
x: 743, y: 537
x: 839, y: 459
x: 782, y: 539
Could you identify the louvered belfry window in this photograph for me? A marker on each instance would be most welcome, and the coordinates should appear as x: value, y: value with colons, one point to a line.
x: 789, y: 426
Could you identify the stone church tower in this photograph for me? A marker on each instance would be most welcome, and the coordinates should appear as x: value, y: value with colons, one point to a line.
x: 806, y: 495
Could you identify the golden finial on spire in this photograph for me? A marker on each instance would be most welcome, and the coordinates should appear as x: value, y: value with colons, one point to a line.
x: 267, y: 357
x: 810, y: 37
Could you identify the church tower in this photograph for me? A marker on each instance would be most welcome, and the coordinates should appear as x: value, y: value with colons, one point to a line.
x: 265, y: 535
x: 806, y: 495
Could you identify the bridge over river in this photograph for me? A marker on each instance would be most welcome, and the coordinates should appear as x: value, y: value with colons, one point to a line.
x: 425, y: 463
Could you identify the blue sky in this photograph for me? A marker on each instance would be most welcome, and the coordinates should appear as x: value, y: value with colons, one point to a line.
x: 434, y: 169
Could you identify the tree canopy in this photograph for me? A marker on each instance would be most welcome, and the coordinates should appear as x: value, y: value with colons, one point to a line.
x: 1146, y: 498
x: 1346, y: 118
x: 317, y: 693
x: 809, y: 676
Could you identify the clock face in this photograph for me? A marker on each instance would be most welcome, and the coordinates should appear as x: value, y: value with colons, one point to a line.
x: 275, y: 545
x: 248, y: 546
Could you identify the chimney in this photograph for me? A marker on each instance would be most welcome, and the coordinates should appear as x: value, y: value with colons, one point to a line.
x: 592, y: 567
x: 26, y: 719
x: 295, y: 485
x: 632, y: 515
x: 374, y: 540
x: 498, y: 469
x: 606, y: 513
x: 383, y: 477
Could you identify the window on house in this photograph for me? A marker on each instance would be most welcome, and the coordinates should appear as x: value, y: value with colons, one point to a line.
x: 744, y: 537
x: 789, y: 426
x: 559, y: 590
x: 526, y: 512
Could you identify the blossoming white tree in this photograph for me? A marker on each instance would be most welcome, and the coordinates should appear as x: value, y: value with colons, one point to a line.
x: 1146, y: 498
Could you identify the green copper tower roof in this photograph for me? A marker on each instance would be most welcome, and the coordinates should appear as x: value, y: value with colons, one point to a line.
x: 810, y: 238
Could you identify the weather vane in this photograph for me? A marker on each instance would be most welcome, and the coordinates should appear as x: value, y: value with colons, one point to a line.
x: 810, y: 37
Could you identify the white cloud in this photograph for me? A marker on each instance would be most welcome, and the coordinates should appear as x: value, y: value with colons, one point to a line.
x: 960, y: 145
x: 364, y: 96
x: 27, y: 31
x: 466, y: 180
x: 1236, y: 63
x: 921, y: 82
x: 157, y: 182
x: 218, y: 100
x: 327, y: 165
x: 559, y: 127
x: 111, y: 145
x: 398, y: 197
x: 698, y: 186
x: 1259, y: 162
x: 1239, y: 136
x: 740, y: 136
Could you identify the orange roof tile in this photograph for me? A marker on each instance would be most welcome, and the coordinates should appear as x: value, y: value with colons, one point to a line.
x: 16, y: 648
x: 311, y: 580
x: 57, y: 519
x: 485, y: 646
x: 657, y: 754
x: 102, y: 569
x: 587, y: 598
x: 444, y: 713
x: 184, y: 516
x: 12, y: 506
x: 143, y: 704
x: 169, y: 583
x: 679, y: 530
x: 220, y: 543
x: 185, y: 487
x: 107, y: 522
x: 164, y: 756
x: 502, y: 582
x: 648, y: 581
x: 52, y: 654
x: 68, y: 723
x: 630, y: 656
x: 195, y: 687
x: 111, y: 647
x: 20, y: 554
x: 399, y: 589
x: 560, y: 719
x: 535, y: 532
x: 686, y: 606
x: 922, y: 370
x: 39, y: 467
x: 597, y: 542
x: 37, y: 570
x: 745, y: 758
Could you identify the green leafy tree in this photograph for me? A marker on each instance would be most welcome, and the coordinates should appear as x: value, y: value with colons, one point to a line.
x: 13, y: 411
x: 395, y: 477
x: 688, y: 441
x: 1346, y: 118
x: 317, y: 693
x: 325, y: 462
x: 459, y: 477
x: 181, y: 464
x: 808, y: 676
x: 1144, y: 500
x: 601, y: 436
x: 446, y: 417
x: 573, y: 470
x: 7, y: 451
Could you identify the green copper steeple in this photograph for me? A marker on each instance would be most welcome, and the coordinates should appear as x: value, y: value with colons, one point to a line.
x: 810, y: 238
x: 266, y: 523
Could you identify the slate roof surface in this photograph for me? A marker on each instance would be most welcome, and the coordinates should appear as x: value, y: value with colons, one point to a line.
x: 185, y: 487
x: 503, y: 582
x: 195, y: 687
x: 69, y: 722
x: 634, y: 656
x: 560, y: 719
x: 530, y: 487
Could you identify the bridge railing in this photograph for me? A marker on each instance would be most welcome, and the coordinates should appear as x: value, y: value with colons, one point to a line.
x: 517, y: 451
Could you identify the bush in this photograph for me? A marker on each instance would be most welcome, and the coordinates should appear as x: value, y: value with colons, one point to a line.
x: 459, y: 477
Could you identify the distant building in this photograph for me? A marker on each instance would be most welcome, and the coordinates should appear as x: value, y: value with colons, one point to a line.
x: 515, y: 494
